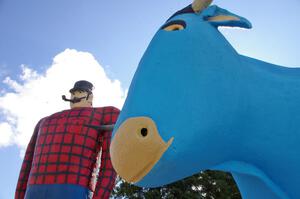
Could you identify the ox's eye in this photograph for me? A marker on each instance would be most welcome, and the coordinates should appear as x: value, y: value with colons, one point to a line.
x: 174, y: 25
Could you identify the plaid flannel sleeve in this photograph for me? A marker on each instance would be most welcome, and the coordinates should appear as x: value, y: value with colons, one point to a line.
x: 26, y: 165
x: 107, y: 175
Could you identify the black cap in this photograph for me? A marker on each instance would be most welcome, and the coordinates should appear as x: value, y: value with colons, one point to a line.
x: 82, y: 85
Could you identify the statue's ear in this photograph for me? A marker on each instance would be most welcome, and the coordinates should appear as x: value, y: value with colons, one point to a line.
x: 221, y: 17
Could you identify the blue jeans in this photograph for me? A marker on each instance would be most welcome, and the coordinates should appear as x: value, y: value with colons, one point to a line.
x: 56, y: 191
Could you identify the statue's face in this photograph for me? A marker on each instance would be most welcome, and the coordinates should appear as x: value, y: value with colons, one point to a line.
x: 84, y: 102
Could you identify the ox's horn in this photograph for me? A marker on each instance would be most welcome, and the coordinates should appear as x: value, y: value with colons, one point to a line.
x: 199, y: 5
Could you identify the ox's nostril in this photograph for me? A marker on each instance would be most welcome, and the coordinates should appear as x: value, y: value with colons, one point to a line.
x: 144, y: 132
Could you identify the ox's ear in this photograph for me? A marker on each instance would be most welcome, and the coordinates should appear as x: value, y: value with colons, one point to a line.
x: 221, y: 17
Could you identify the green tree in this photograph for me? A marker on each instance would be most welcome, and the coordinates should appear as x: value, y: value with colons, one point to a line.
x: 205, y: 185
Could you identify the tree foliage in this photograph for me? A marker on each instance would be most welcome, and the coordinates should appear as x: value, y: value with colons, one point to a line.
x: 205, y: 185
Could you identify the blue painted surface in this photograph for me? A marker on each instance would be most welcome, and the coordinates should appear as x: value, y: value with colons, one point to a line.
x: 225, y: 111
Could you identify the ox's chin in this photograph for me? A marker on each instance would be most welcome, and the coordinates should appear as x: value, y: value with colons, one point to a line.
x: 136, y: 147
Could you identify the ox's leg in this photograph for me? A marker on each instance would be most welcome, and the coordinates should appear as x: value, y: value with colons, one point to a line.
x: 251, y: 187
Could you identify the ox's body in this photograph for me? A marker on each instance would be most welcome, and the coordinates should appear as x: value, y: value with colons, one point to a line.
x: 225, y: 111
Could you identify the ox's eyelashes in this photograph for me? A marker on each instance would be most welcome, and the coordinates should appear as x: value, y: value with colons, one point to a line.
x: 174, y: 25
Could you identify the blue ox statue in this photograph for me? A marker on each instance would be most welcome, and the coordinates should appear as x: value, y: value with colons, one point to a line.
x: 196, y: 104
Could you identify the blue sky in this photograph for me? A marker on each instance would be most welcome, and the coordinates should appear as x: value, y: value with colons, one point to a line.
x: 47, y: 45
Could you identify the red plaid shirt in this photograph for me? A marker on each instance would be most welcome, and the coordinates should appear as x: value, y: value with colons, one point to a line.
x: 64, y: 149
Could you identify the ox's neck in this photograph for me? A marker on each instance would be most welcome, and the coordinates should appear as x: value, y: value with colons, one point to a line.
x: 268, y: 119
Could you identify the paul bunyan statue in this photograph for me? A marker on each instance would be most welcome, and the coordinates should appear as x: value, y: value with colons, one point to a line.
x: 62, y: 153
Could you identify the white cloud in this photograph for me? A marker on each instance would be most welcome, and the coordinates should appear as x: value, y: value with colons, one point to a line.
x: 6, y: 134
x: 39, y: 95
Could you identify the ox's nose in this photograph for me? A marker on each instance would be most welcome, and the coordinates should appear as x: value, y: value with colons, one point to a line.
x: 136, y: 147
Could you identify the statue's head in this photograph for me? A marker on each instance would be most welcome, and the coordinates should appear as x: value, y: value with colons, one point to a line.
x: 81, y: 94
